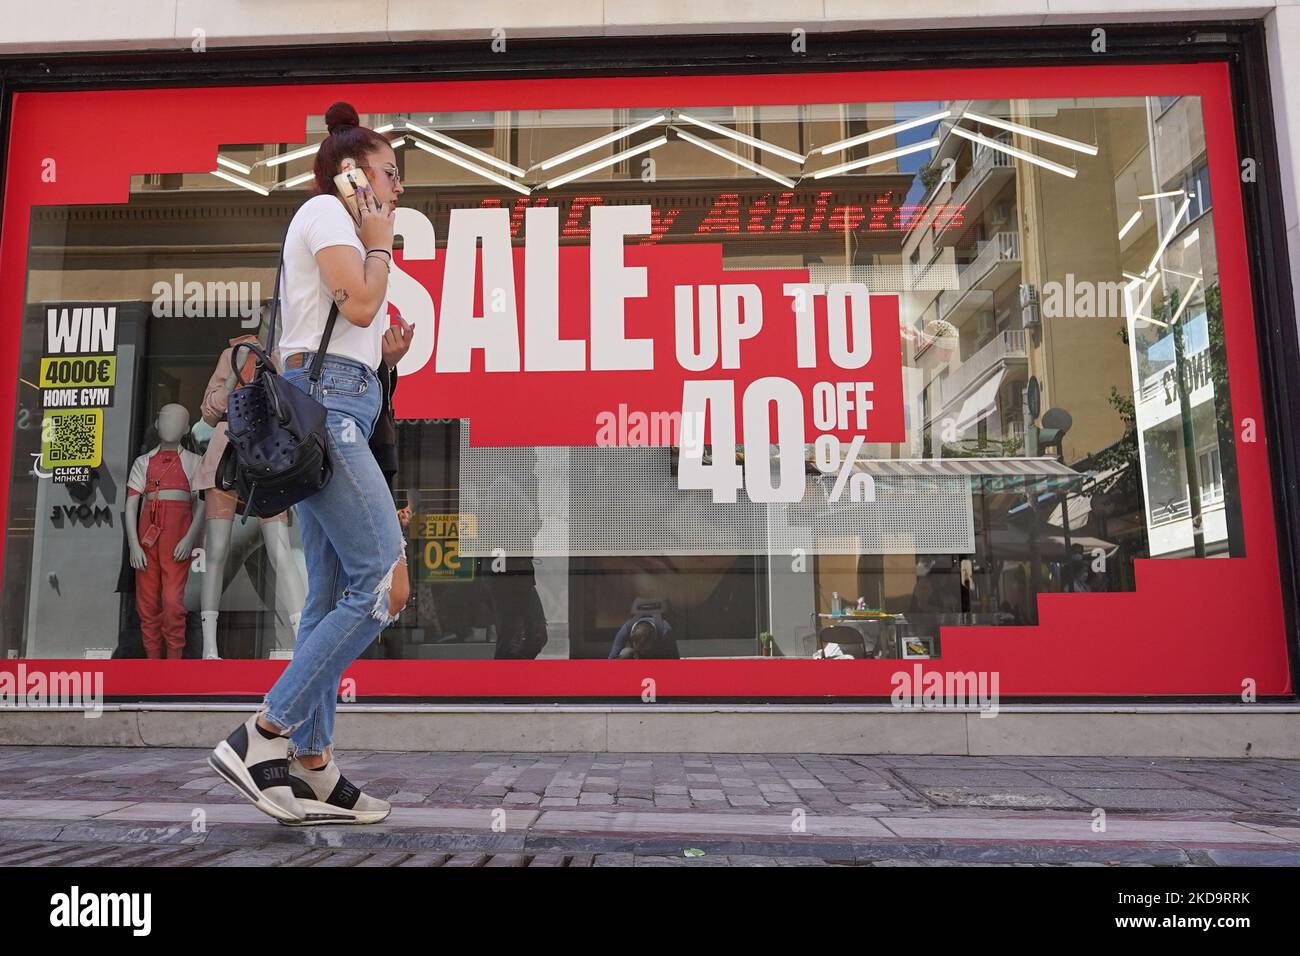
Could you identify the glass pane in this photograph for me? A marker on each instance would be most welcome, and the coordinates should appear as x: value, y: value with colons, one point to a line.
x: 1065, y: 400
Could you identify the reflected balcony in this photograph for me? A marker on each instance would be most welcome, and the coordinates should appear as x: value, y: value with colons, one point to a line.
x: 996, y: 261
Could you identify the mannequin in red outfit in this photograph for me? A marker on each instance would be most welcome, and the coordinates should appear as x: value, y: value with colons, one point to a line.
x: 161, y: 534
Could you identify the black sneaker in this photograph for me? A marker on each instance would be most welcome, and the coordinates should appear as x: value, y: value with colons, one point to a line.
x: 257, y: 765
x: 326, y: 796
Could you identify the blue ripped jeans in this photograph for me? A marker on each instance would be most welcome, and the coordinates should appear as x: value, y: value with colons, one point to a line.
x: 352, y: 543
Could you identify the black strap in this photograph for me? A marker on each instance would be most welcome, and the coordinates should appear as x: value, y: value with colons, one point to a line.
x: 324, y: 341
x: 275, y: 296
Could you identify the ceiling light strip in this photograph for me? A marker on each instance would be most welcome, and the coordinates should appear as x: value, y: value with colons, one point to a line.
x: 601, y: 141
x: 293, y: 154
x: 875, y: 134
x: 1130, y: 224
x: 605, y: 163
x: 1187, y: 297
x: 1169, y: 237
x: 1013, y: 151
x: 877, y: 158
x: 252, y: 187
x: 739, y: 160
x: 466, y: 164
x: 743, y: 138
x: 1032, y: 133
x: 1136, y: 312
x: 232, y: 164
x: 482, y: 157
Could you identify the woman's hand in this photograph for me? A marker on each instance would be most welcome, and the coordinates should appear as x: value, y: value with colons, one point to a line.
x: 397, y: 341
x: 377, y: 219
x: 357, y: 281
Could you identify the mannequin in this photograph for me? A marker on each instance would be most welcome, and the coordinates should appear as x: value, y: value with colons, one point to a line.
x: 221, y: 507
x: 161, y: 539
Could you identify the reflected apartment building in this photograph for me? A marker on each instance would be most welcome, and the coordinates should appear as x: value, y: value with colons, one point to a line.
x: 1020, y: 311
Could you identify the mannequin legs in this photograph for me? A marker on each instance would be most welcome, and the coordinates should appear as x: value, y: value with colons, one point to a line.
x: 216, y: 545
x: 288, y: 581
x: 217, y: 540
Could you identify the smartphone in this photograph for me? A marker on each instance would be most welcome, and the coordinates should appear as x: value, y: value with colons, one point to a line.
x: 349, y: 182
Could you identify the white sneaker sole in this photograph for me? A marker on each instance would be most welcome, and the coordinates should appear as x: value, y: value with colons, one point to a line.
x: 226, y: 762
x: 317, y: 813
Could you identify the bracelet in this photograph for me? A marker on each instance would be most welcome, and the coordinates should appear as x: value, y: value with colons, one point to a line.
x: 387, y: 264
x: 387, y: 252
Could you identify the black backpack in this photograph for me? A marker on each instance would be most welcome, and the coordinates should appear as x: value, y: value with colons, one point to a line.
x: 278, y: 449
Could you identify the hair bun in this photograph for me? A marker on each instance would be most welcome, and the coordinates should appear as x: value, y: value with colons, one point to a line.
x: 340, y: 115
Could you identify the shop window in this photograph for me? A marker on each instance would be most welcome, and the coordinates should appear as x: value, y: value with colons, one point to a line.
x: 1016, y: 449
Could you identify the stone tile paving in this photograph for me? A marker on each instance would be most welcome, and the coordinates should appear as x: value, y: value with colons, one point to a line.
x: 40, y: 824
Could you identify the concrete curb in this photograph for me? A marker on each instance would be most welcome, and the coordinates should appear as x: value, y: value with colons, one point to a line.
x: 1155, y: 730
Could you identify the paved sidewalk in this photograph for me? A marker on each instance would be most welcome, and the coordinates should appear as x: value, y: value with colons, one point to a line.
x: 133, y: 806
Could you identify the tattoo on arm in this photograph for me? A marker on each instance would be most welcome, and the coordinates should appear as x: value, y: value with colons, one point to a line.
x: 340, y: 296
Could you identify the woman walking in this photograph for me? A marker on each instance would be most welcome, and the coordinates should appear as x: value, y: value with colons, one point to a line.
x: 352, y: 541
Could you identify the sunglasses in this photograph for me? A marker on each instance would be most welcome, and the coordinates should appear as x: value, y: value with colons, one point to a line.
x: 393, y: 176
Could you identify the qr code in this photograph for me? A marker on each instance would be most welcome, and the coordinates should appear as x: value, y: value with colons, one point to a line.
x: 73, y: 437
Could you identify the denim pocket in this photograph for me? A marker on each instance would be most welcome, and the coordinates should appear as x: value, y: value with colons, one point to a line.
x: 297, y: 377
x: 342, y: 381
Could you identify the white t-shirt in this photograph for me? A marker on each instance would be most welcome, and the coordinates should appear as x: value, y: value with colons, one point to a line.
x: 305, y: 301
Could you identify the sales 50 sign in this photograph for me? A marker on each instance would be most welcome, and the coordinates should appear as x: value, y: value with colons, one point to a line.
x: 619, y: 343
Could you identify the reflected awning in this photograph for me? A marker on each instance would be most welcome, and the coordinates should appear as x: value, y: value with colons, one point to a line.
x: 993, y: 474
x: 1011, y: 467
x: 1080, y: 505
x: 981, y: 404
x: 1080, y: 509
